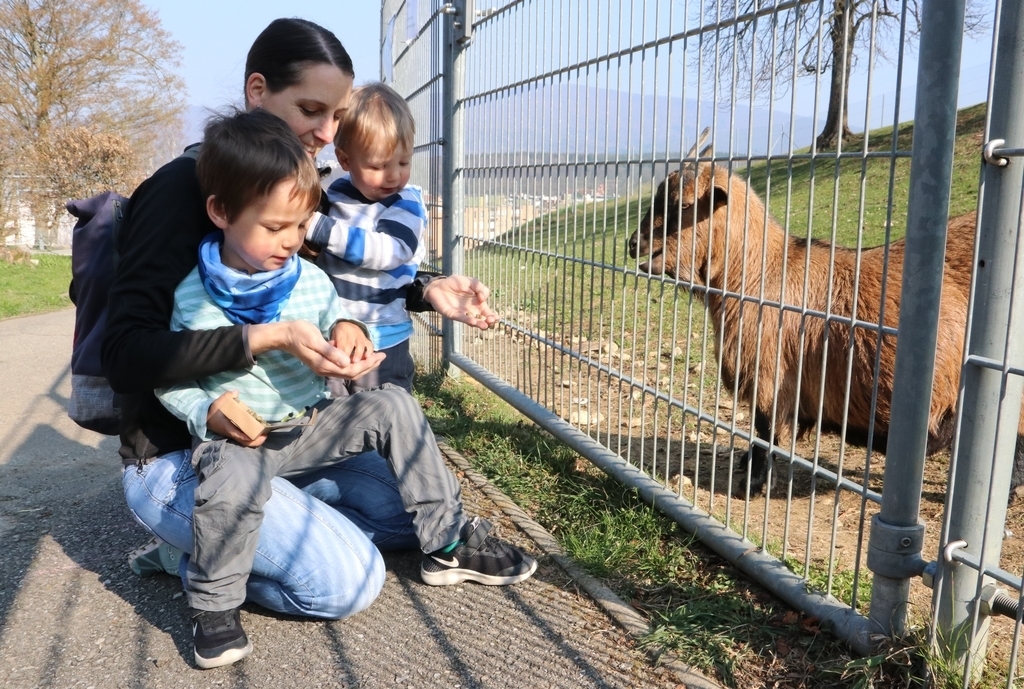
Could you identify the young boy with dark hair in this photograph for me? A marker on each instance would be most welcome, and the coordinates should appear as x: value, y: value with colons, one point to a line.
x: 261, y: 188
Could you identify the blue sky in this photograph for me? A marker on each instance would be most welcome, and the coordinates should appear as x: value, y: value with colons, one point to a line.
x: 216, y: 35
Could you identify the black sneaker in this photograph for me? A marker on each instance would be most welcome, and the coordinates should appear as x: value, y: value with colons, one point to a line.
x: 480, y: 558
x: 219, y: 638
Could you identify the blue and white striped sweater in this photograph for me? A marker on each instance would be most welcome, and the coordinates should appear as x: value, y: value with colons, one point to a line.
x: 371, y: 251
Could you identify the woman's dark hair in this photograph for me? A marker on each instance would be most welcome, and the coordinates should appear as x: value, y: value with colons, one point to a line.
x: 287, y: 46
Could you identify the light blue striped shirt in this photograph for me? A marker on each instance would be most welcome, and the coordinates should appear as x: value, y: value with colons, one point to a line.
x: 372, y: 251
x: 279, y: 385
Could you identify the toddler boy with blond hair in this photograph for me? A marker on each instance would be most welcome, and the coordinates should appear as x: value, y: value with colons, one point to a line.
x: 371, y: 241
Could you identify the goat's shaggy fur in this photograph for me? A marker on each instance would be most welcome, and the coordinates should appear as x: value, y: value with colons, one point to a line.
x: 708, y: 228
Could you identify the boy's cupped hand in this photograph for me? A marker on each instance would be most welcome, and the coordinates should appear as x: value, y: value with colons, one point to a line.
x: 305, y: 341
x: 351, y: 339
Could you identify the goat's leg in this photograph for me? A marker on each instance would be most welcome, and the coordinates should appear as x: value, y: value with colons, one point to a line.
x: 757, y: 458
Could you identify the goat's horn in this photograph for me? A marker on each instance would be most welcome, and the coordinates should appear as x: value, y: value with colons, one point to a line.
x: 700, y: 142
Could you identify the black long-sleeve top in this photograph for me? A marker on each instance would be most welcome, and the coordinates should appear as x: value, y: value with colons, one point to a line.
x: 158, y: 247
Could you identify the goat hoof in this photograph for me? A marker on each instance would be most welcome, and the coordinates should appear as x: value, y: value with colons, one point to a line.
x: 740, y: 491
x: 757, y: 485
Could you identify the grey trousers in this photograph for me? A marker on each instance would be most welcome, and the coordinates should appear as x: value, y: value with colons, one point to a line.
x: 234, y: 484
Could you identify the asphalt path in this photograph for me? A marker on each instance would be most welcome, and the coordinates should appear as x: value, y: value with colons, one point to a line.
x: 72, y: 613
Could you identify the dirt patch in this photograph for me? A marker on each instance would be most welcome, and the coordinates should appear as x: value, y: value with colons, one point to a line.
x: 670, y: 418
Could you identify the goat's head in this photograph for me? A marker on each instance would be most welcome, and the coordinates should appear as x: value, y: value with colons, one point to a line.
x: 671, y: 238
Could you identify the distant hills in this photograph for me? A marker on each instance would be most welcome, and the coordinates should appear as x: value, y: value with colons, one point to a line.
x: 572, y: 120
x: 553, y: 139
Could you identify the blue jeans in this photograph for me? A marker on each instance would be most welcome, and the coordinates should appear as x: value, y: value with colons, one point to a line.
x: 318, y: 551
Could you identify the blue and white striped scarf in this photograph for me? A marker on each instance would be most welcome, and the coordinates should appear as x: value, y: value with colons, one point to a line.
x: 245, y: 298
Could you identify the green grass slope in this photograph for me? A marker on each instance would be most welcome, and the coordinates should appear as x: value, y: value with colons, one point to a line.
x: 803, y: 193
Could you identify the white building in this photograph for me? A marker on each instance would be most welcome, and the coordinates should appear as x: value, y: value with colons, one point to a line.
x: 22, y: 230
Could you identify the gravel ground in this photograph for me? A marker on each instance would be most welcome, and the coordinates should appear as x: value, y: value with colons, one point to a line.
x: 72, y: 614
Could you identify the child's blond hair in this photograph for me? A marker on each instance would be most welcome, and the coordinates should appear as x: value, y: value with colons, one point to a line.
x: 376, y: 121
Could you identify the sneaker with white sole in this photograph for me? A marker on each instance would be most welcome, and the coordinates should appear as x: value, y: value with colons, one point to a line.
x: 478, y: 557
x: 219, y: 638
x: 154, y: 558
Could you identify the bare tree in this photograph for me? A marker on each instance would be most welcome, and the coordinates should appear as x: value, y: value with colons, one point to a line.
x: 817, y: 38
x: 7, y: 206
x: 82, y: 163
x: 101, y: 66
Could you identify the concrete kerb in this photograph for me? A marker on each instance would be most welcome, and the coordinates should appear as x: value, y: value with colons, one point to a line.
x: 617, y: 609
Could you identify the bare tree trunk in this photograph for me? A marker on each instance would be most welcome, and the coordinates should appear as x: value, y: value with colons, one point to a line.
x: 842, y: 56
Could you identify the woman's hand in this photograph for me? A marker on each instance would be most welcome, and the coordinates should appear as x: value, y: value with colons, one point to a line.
x: 217, y: 423
x: 304, y: 341
x: 462, y: 299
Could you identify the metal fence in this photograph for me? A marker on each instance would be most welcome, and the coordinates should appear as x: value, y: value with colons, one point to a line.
x: 546, y: 129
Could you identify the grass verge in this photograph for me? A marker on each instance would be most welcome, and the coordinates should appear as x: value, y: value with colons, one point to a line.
x: 697, y: 604
x: 30, y: 287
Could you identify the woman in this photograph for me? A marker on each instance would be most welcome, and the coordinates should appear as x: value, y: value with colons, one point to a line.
x: 318, y: 548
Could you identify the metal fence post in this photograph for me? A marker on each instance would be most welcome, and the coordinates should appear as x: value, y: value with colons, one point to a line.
x: 991, y: 399
x: 897, y: 535
x: 456, y: 38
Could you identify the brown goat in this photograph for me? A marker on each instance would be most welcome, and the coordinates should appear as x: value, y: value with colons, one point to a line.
x: 709, y: 229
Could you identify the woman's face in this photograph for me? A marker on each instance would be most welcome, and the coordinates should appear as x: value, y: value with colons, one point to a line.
x: 312, y: 107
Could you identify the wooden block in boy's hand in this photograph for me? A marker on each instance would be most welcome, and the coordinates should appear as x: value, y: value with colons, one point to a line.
x: 243, y: 418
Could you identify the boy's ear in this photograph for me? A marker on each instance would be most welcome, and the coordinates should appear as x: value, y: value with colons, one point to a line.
x: 216, y: 212
x: 342, y: 158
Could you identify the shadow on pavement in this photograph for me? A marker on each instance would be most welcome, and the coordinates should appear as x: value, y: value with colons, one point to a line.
x: 73, y: 613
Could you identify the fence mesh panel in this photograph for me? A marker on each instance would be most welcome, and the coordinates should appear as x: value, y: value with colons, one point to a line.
x: 774, y: 326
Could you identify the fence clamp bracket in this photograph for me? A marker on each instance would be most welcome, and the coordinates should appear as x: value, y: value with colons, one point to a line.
x: 931, y: 571
x: 895, y: 551
x: 993, y: 153
x: 464, y: 13
x: 949, y: 551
